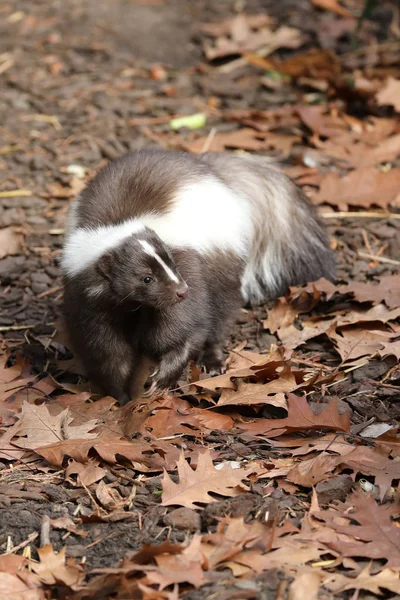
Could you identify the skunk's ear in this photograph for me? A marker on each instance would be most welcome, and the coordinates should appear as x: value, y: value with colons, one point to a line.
x: 104, y: 265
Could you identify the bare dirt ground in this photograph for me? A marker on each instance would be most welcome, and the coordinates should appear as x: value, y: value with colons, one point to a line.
x: 81, y: 83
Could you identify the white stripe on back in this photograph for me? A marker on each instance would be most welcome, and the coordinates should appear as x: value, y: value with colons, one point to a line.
x: 204, y: 216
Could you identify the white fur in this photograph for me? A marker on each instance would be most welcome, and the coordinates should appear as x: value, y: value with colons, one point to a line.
x: 204, y: 216
x: 84, y: 246
x: 148, y: 248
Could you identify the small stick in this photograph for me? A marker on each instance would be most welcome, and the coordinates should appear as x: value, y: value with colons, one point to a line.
x: 17, y: 327
x: 360, y: 215
x: 381, y: 259
x: 52, y: 290
x: 209, y: 140
x: 45, y: 531
x: 31, y: 538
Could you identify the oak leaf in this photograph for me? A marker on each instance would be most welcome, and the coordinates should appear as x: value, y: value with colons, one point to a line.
x: 373, y: 461
x: 54, y: 568
x: 194, y: 486
x: 185, y: 567
x: 363, y: 187
x: 19, y: 587
x: 11, y: 240
x: 387, y: 579
x: 301, y: 417
x: 39, y: 428
x: 374, y: 536
x: 389, y: 94
x: 144, y: 456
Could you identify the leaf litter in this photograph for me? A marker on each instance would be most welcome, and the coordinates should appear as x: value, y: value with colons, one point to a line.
x: 286, y: 466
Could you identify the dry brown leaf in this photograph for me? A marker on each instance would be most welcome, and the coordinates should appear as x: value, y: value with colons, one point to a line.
x: 309, y: 472
x: 305, y: 585
x: 109, y: 497
x: 333, y: 6
x: 7, y: 450
x: 317, y: 64
x: 195, y: 485
x: 54, y: 568
x: 390, y: 349
x: 11, y: 241
x: 375, y: 536
x: 40, y: 428
x: 249, y: 394
x: 14, y: 587
x: 364, y: 187
x: 389, y: 94
x: 172, y: 416
x: 354, y: 341
x: 87, y: 473
x: 387, y: 579
x: 185, y: 567
x: 12, y: 563
x: 243, y: 39
x: 373, y: 461
x: 292, y: 555
x: 387, y: 290
x: 281, y: 315
x: 301, y: 417
x: 144, y: 456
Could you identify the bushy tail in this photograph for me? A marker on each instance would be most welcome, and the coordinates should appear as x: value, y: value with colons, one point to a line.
x: 290, y: 244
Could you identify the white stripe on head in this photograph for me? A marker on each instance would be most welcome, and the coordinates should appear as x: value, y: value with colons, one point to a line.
x: 148, y: 248
x: 85, y: 245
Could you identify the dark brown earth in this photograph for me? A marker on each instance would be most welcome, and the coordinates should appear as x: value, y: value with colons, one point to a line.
x: 87, y: 65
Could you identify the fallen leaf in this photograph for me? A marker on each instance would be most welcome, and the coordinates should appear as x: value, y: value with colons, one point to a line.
x: 109, y: 497
x: 387, y: 579
x: 301, y: 417
x: 364, y: 187
x: 87, y: 473
x: 54, y: 568
x: 317, y: 64
x: 389, y: 94
x: 243, y: 38
x: 11, y: 241
x: 145, y: 456
x: 195, y: 485
x: 372, y: 532
x: 354, y: 341
x: 333, y: 6
x: 249, y: 394
x: 39, y: 428
x: 185, y: 567
x: 376, y: 462
x: 308, y: 473
x: 16, y: 588
x: 305, y: 585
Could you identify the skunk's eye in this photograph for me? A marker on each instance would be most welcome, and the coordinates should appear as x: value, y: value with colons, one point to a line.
x: 147, y: 279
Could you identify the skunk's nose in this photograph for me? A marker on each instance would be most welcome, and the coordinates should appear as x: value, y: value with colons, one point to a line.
x: 182, y: 291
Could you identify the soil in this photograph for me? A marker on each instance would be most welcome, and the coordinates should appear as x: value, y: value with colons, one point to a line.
x: 86, y: 65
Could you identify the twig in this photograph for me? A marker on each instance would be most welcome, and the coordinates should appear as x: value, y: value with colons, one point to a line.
x: 359, y: 215
x: 6, y: 65
x: 45, y: 531
x: 50, y: 291
x: 381, y: 259
x: 15, y: 193
x: 16, y: 327
x: 209, y: 139
x: 31, y: 538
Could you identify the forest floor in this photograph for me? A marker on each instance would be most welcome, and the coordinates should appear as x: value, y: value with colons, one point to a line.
x: 279, y: 479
